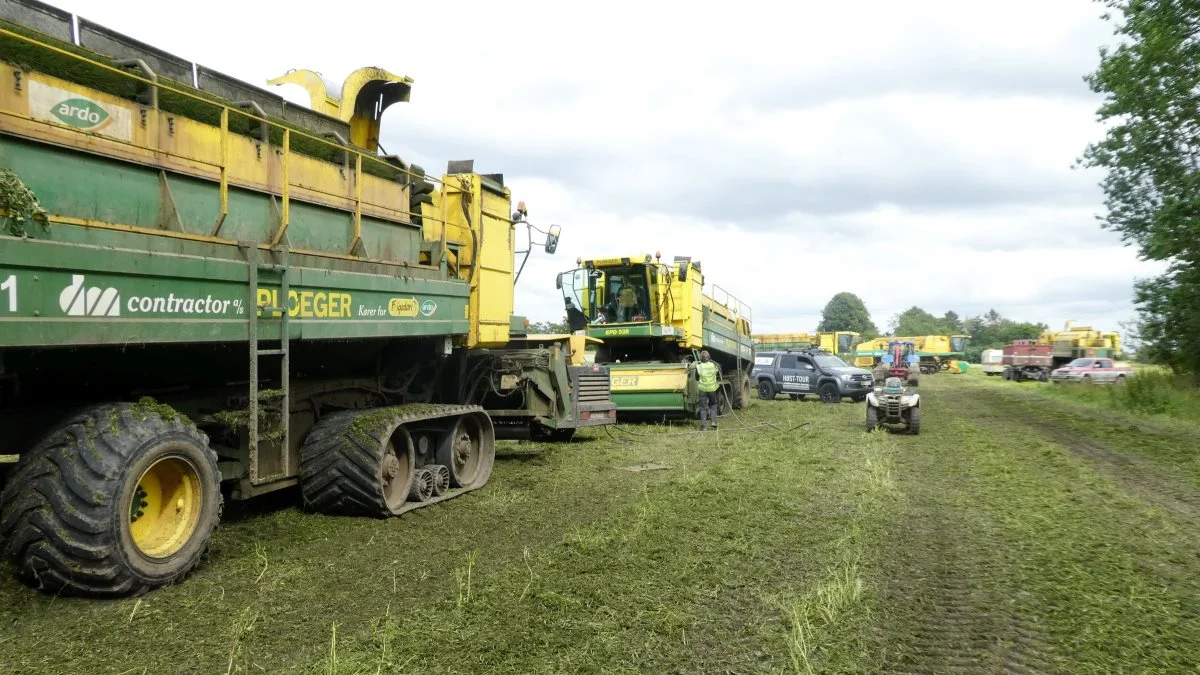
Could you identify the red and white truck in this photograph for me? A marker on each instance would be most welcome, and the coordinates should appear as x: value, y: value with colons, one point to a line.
x: 1029, y: 360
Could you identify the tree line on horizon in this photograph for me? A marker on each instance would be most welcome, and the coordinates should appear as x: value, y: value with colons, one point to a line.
x: 846, y: 311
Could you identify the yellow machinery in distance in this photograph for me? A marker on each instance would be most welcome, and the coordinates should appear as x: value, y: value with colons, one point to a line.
x: 1074, y: 338
x: 936, y: 352
x: 841, y: 342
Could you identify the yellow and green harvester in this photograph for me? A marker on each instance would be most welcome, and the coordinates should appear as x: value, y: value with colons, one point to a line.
x: 654, y: 319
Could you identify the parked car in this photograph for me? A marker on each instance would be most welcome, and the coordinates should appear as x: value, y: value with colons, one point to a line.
x: 808, y: 371
x: 1091, y: 371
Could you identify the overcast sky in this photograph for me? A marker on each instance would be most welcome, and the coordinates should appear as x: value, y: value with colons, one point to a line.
x: 911, y: 153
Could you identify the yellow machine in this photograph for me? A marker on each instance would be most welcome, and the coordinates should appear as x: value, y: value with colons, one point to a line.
x: 305, y: 312
x: 937, y: 352
x: 654, y: 318
x: 837, y: 342
x: 1092, y: 342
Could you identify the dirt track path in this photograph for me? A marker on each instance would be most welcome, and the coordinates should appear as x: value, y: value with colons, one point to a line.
x: 1022, y: 546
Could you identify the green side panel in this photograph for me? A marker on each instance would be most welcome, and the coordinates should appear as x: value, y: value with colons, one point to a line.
x: 78, y: 185
x: 389, y: 241
x: 320, y: 228
x: 58, y: 294
x: 651, y: 401
x: 718, y: 338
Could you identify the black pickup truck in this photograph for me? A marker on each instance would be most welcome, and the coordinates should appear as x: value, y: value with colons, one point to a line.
x: 799, y: 372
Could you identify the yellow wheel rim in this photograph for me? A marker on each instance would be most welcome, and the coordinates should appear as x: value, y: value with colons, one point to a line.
x: 165, y: 507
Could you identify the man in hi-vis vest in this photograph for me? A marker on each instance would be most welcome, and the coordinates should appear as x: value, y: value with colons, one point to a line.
x: 710, y: 384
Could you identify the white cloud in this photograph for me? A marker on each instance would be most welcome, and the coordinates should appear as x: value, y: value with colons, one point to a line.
x: 912, y: 153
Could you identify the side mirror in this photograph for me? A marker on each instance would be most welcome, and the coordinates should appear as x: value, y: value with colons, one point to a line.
x: 552, y: 239
x: 558, y: 282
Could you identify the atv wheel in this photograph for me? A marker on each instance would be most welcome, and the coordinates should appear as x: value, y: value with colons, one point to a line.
x: 118, y: 500
x: 766, y: 390
x: 829, y: 393
x: 872, y: 417
x: 914, y: 420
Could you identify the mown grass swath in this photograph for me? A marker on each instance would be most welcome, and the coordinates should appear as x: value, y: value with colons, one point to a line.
x: 1020, y: 530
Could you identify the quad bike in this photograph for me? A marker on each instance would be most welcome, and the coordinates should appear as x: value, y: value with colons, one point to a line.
x: 891, y: 404
x: 900, y: 361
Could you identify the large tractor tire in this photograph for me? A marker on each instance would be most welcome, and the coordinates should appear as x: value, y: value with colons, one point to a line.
x: 742, y: 397
x: 118, y: 500
x: 880, y: 373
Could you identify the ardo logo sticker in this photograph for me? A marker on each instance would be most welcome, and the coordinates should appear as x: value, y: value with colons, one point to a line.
x: 62, y: 106
x: 82, y: 114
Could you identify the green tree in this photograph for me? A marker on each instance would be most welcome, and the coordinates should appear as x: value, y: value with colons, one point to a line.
x: 952, y: 324
x: 993, y: 331
x: 1151, y: 152
x: 916, y: 321
x: 549, y: 326
x: 846, y: 311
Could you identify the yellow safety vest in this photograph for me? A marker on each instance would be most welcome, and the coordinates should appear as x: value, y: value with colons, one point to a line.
x: 708, y: 375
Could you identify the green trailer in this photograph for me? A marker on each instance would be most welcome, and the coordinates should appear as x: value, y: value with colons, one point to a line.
x: 208, y: 293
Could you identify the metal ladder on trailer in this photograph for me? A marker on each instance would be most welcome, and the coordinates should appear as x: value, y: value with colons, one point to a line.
x: 257, y: 265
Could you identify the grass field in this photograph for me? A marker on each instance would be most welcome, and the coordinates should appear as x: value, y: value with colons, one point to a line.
x: 1024, y: 530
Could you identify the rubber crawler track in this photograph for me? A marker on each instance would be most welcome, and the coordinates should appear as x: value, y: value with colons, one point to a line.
x: 340, y: 461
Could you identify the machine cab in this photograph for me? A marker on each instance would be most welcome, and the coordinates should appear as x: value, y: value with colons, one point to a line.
x: 612, y: 291
x: 958, y: 343
x: 847, y: 342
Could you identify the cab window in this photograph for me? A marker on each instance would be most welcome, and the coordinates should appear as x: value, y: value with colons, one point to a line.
x: 805, y: 363
x: 787, y: 362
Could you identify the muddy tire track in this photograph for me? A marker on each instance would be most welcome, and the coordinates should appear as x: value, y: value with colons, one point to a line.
x: 951, y: 608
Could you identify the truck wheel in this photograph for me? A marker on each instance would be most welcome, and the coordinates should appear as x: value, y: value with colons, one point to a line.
x: 766, y: 390
x: 914, y: 420
x: 872, y: 417
x: 741, y: 393
x: 830, y: 393
x: 120, y: 499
